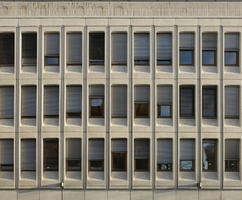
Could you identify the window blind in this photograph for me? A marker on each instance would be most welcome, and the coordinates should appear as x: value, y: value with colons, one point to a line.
x: 29, y: 48
x: 232, y: 41
x: 164, y: 46
x: 141, y: 46
x: 6, y: 153
x: 51, y: 154
x: 141, y: 149
x: 119, y: 48
x: 6, y: 102
x: 51, y: 103
x: 96, y: 90
x: 164, y: 94
x: 187, y: 149
x: 187, y: 101
x: 209, y: 103
x: 119, y: 145
x: 232, y: 101
x: 209, y: 41
x: 28, y: 101
x: 164, y: 151
x: 119, y: 100
x: 73, y: 149
x: 96, y: 149
x: 6, y: 48
x: 74, y: 48
x: 232, y: 149
x: 96, y: 46
x: 74, y: 99
x: 52, y: 44
x: 28, y: 152
x: 187, y: 40
x: 142, y: 93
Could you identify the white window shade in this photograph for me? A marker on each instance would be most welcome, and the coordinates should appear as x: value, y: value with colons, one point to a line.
x: 142, y: 93
x: 119, y: 145
x: 232, y: 105
x: 51, y: 101
x: 164, y: 94
x: 28, y: 153
x: 164, y: 46
x: 232, y: 149
x: 164, y: 151
x: 119, y: 101
x: 187, y: 40
x: 96, y: 90
x: 96, y: 149
x: 209, y: 41
x: 74, y: 48
x: 141, y: 149
x: 141, y: 46
x: 232, y: 41
x: 119, y: 48
x: 52, y: 44
x: 28, y: 101
x: 74, y: 99
x: 73, y: 149
x: 6, y: 153
x: 187, y: 149
x: 6, y: 102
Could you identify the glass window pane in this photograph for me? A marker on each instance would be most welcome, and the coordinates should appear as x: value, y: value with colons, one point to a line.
x: 186, y: 57
x: 209, y: 57
x: 231, y: 58
x: 52, y: 61
x: 209, y: 155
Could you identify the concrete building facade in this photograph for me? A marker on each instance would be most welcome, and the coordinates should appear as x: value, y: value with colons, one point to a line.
x: 143, y: 22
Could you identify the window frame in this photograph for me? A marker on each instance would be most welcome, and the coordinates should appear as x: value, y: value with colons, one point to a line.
x: 215, y: 100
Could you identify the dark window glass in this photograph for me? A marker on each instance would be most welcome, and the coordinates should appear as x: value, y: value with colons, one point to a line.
x: 96, y: 154
x: 209, y: 98
x: 51, y: 158
x: 51, y: 60
x: 232, y: 155
x: 187, y: 155
x: 28, y: 155
x: 142, y: 164
x: 209, y: 57
x: 96, y: 107
x: 6, y: 155
x: 232, y: 48
x: 232, y: 58
x: 141, y: 109
x: 96, y: 165
x: 186, y: 57
x: 73, y: 154
x: 210, y: 155
x: 6, y: 48
x: 29, y: 48
x: 96, y: 48
x: 187, y: 101
x: 119, y: 161
x: 141, y: 154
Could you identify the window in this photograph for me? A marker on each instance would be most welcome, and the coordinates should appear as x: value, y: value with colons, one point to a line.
x: 73, y: 154
x: 187, y: 43
x: 142, y: 101
x: 6, y: 102
x: 232, y: 45
x: 164, y: 155
x: 28, y: 155
x: 209, y: 98
x: 29, y: 49
x: 119, y: 48
x: 96, y: 48
x: 28, y: 102
x: 6, y: 154
x: 164, y: 101
x: 232, y: 155
x: 96, y: 101
x: 187, y: 100
x: 119, y: 154
x: 6, y: 49
x: 96, y: 154
x: 187, y: 155
x: 141, y: 49
x: 73, y: 101
x: 52, y: 48
x: 164, y: 49
x: 51, y: 157
x: 210, y: 155
x: 74, y: 48
x: 232, y: 105
x: 119, y: 101
x: 51, y: 101
x: 141, y: 155
x: 209, y: 49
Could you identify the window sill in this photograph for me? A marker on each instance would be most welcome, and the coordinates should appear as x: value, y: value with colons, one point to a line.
x: 7, y: 68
